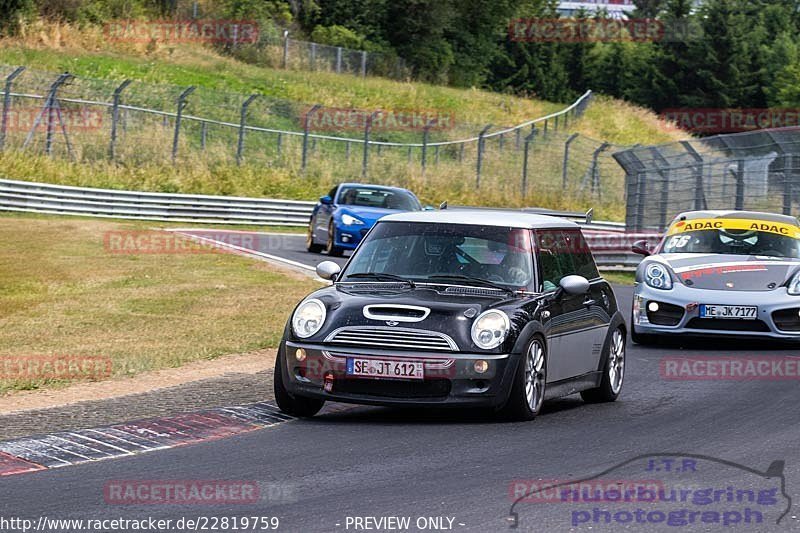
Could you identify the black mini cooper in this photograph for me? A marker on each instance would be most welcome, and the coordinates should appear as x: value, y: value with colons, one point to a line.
x: 456, y: 308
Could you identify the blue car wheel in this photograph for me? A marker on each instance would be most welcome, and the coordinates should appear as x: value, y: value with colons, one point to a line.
x: 311, y: 246
x: 330, y: 247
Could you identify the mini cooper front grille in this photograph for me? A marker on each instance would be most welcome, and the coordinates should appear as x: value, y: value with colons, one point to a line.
x: 392, y: 338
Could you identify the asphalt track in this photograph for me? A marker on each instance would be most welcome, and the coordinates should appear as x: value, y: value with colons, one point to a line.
x: 380, y: 462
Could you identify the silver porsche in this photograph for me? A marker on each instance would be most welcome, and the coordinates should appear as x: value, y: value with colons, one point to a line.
x: 720, y: 273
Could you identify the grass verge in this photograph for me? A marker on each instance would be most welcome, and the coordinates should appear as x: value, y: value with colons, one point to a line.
x: 63, y: 294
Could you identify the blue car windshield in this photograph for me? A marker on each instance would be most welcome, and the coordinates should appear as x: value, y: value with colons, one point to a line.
x: 381, y: 198
x: 455, y: 254
x: 713, y: 241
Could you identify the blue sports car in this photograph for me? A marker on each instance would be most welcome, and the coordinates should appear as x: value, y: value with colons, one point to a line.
x: 348, y: 211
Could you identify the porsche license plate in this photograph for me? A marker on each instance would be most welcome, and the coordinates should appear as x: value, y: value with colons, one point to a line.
x: 382, y: 368
x: 740, y: 312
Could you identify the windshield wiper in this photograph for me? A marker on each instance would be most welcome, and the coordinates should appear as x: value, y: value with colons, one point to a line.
x: 380, y: 276
x: 478, y: 281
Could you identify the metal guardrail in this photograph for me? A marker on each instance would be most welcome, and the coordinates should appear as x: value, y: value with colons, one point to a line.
x: 109, y: 203
x: 608, y: 241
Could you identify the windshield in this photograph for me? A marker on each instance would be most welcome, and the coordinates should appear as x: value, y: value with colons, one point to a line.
x: 381, y: 198
x: 446, y: 253
x: 734, y: 242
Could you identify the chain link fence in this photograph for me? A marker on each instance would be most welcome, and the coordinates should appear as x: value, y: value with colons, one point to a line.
x: 539, y: 162
x: 755, y: 171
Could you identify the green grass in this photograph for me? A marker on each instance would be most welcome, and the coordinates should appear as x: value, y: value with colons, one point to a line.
x: 63, y: 294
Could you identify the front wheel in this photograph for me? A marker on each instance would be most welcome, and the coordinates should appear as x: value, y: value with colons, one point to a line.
x: 527, y: 393
x: 289, y: 403
x: 331, y: 248
x: 613, y: 373
x: 311, y: 246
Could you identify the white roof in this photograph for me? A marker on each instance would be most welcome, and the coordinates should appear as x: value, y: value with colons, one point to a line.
x: 483, y: 217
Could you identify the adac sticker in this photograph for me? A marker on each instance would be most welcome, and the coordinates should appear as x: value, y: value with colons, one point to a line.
x: 767, y: 226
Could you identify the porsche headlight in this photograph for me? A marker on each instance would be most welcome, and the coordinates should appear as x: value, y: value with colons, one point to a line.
x: 794, y: 284
x: 657, y: 276
x: 349, y: 220
x: 308, y: 318
x: 490, y: 329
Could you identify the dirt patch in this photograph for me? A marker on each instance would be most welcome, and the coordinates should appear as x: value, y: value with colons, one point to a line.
x: 247, y: 363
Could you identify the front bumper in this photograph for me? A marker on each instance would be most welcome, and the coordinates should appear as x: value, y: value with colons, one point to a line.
x: 450, y: 378
x: 778, y: 313
x: 349, y: 237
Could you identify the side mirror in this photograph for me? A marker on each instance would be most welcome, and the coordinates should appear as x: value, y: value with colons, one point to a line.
x: 326, y: 200
x: 574, y: 285
x: 328, y: 270
x: 641, y: 247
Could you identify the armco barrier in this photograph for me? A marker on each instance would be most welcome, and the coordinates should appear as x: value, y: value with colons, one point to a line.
x: 607, y: 240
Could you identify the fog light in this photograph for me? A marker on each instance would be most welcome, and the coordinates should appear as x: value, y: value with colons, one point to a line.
x: 345, y: 238
x: 481, y: 366
x: 300, y: 354
x: 652, y: 307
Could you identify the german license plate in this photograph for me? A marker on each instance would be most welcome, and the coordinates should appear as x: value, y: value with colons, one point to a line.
x: 736, y: 312
x: 382, y: 368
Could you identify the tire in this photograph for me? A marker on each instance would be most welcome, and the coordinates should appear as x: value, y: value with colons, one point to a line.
x: 613, y: 371
x: 311, y: 246
x: 527, y: 393
x: 287, y: 402
x: 330, y: 247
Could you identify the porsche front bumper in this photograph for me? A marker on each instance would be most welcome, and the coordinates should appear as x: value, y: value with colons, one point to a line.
x: 778, y: 314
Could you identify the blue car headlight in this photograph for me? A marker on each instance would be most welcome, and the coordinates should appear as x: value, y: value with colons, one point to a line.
x: 658, y: 276
x: 794, y: 284
x: 349, y: 220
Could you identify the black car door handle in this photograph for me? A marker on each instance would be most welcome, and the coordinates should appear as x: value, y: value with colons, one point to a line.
x: 589, y: 302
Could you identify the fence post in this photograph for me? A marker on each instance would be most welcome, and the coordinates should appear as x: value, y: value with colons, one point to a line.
x: 479, y: 163
x: 367, y: 128
x: 50, y: 106
x: 425, y: 133
x: 178, y: 116
x: 347, y: 150
x: 566, y: 119
x: 112, y: 149
x: 304, y: 160
x: 528, y: 139
x: 787, y: 183
x: 517, y: 137
x: 740, y: 185
x: 461, y: 153
x: 7, y: 105
x: 409, y: 155
x: 243, y: 128
x: 313, y: 55
x: 436, y: 155
x: 203, y: 135
x: 338, y: 60
x: 280, y: 144
x: 564, y: 170
x: 285, y: 61
x: 595, y: 170
x: 501, y: 142
x: 364, y: 64
x: 544, y: 133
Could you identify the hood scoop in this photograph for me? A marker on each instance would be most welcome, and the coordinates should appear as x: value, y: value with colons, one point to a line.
x: 396, y: 312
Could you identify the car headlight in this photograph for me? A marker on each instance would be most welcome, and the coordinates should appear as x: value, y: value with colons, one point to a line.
x: 794, y: 284
x: 308, y: 318
x: 490, y: 329
x: 657, y: 276
x: 349, y: 220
